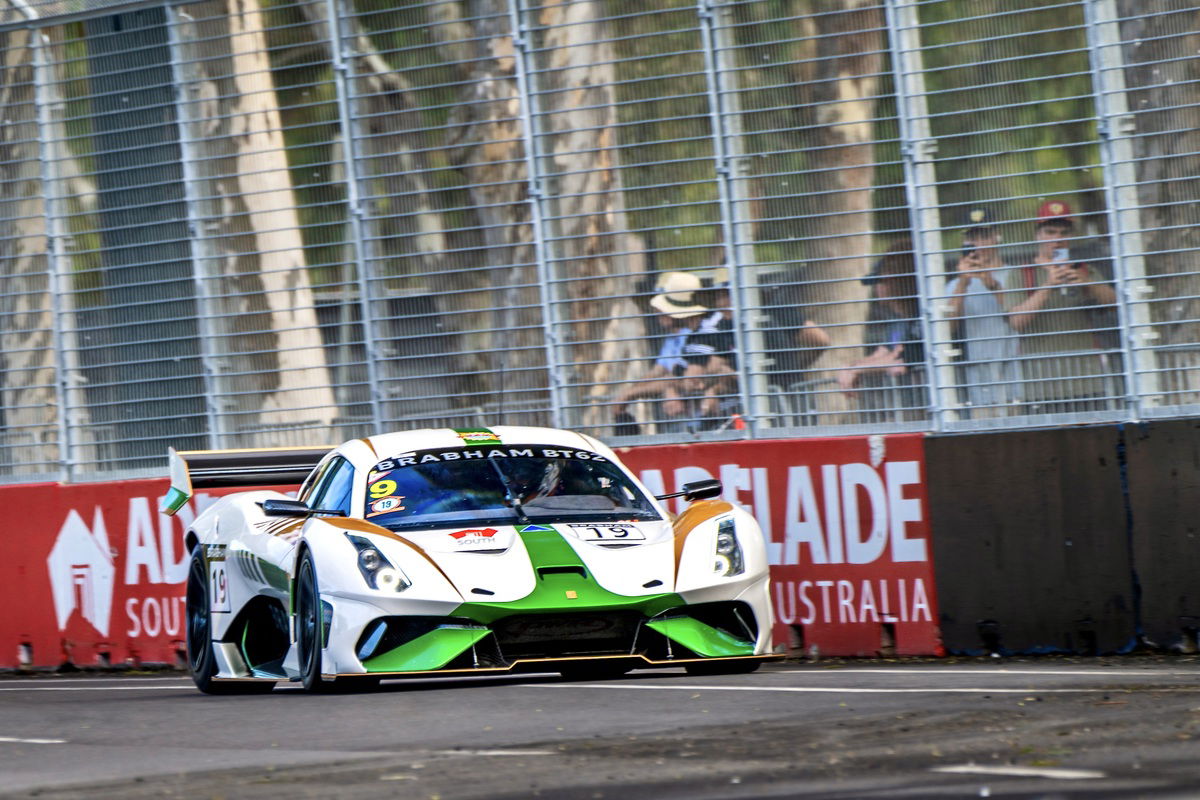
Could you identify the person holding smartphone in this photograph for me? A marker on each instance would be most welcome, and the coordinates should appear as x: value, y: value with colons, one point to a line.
x: 1063, y: 305
x: 989, y: 370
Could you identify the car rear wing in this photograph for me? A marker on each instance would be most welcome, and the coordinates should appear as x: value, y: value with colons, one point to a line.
x: 210, y: 469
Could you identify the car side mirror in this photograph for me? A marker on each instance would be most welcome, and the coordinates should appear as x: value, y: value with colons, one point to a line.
x: 285, y: 508
x: 696, y: 490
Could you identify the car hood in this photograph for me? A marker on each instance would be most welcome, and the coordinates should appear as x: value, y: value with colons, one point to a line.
x: 502, y: 563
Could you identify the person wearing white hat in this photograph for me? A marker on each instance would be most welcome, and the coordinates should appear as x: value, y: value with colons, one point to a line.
x: 676, y: 295
x: 668, y: 378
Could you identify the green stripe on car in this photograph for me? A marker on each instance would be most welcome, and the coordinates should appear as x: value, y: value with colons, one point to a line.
x: 563, y: 583
x: 432, y: 650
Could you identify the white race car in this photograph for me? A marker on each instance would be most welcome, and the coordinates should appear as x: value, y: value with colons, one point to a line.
x: 460, y: 551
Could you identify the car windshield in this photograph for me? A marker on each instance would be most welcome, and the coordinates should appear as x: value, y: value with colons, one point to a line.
x: 508, y: 485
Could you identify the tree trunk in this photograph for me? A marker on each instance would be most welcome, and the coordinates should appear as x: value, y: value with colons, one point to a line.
x: 597, y: 258
x: 836, y: 78
x: 259, y: 302
x: 27, y: 352
x: 497, y: 310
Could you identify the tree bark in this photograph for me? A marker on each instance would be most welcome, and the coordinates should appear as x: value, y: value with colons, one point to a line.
x: 259, y: 301
x: 596, y: 257
x: 836, y: 68
x: 27, y: 352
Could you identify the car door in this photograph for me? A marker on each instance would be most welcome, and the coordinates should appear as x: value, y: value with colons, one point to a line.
x: 272, y: 556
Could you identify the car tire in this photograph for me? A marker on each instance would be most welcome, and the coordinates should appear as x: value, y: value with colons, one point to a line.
x: 309, y: 625
x: 722, y: 667
x: 310, y: 636
x: 202, y: 661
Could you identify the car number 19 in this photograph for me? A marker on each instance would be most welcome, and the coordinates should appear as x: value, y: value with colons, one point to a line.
x: 601, y: 532
x: 218, y: 586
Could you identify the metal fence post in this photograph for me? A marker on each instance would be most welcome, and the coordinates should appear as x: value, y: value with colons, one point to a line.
x: 743, y: 329
x: 347, y: 126
x: 536, y: 190
x: 921, y: 194
x: 1116, y: 126
x: 184, y: 122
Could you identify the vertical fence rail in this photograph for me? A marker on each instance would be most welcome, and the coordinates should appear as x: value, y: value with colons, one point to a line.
x: 523, y: 45
x: 748, y: 372
x: 917, y: 148
x: 1116, y: 126
x: 59, y: 277
x: 196, y: 238
x: 348, y: 125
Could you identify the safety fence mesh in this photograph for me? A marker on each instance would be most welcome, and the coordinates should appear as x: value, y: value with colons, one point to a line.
x: 292, y: 222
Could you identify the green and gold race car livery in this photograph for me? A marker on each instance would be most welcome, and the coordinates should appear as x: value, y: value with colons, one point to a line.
x: 460, y: 551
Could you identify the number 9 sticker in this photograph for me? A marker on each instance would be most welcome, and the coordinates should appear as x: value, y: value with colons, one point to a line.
x: 382, y: 489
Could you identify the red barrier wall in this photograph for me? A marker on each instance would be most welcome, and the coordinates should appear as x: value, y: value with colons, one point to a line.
x: 93, y: 574
x: 847, y: 523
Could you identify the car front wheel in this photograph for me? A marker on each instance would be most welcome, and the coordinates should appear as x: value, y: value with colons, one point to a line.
x: 310, y: 636
x: 202, y: 662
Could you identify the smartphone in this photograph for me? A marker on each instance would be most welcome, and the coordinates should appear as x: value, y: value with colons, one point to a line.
x: 967, y: 251
x: 1062, y: 255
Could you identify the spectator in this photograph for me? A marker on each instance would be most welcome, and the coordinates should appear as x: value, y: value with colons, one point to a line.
x: 989, y: 369
x: 792, y: 339
x: 893, y: 371
x: 1061, y: 305
x: 673, y: 376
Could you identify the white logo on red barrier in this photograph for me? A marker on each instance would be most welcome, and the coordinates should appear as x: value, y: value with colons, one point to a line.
x: 82, y: 572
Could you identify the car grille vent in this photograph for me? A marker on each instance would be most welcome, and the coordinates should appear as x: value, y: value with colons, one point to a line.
x: 572, y: 570
x: 397, y: 631
x: 550, y: 635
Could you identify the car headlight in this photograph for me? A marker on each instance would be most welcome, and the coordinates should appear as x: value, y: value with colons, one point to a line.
x: 728, y: 559
x: 377, y: 571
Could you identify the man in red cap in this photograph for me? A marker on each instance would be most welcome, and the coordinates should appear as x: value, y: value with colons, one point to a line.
x: 1064, y: 308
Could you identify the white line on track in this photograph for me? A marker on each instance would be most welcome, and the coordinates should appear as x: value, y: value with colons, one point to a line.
x: 1057, y: 773
x: 165, y: 687
x: 935, y: 670
x: 18, y: 740
x: 824, y: 689
x: 494, y: 753
x: 115, y: 679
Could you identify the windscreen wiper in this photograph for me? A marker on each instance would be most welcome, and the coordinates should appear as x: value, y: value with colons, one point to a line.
x: 510, y: 499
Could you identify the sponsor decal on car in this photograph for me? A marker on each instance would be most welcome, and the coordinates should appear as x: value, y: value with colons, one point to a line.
x: 386, y: 505
x: 482, y: 538
x: 477, y: 436
x: 479, y: 532
x: 606, y: 532
x: 464, y: 453
x: 534, y: 529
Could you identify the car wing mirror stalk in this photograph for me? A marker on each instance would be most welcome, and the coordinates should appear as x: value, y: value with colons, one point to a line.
x: 696, y: 490
x: 293, y: 508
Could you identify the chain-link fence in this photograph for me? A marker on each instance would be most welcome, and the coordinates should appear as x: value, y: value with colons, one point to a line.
x: 290, y: 222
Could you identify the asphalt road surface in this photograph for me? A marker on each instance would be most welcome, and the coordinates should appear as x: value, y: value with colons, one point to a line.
x: 1062, y: 728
